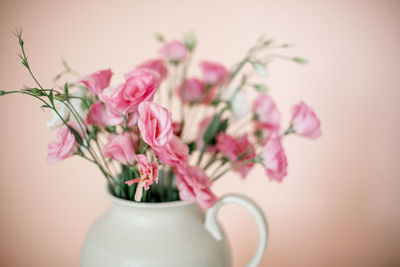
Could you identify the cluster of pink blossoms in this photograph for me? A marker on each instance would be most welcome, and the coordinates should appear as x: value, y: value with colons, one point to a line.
x: 145, y: 135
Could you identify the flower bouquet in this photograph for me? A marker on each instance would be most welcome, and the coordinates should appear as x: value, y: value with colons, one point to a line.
x: 148, y: 154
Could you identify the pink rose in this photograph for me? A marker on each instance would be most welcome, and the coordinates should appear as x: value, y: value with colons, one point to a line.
x: 155, y: 124
x: 101, y: 116
x: 238, y: 150
x: 267, y: 115
x: 305, y: 122
x: 156, y: 65
x: 175, y: 154
x: 148, y: 175
x: 98, y: 81
x: 140, y: 86
x: 194, y: 185
x: 213, y: 73
x: 174, y: 51
x: 274, y: 158
x: 65, y: 144
x: 121, y: 148
x: 193, y: 91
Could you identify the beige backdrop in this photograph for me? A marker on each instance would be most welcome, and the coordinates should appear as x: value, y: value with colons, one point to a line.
x: 339, y: 204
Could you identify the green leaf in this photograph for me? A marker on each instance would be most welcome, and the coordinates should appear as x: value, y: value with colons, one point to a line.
x: 192, y: 147
x: 45, y: 106
x: 159, y: 37
x: 92, y: 134
x: 131, y: 191
x: 260, y: 68
x: 189, y: 40
x: 111, y: 129
x: 300, y: 60
x: 261, y: 88
x: 51, y: 97
x: 66, y: 89
x: 2, y: 92
x: 211, y: 129
x: 223, y: 126
x: 78, y: 137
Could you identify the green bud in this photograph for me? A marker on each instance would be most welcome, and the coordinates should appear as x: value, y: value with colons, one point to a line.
x: 190, y: 41
x: 260, y: 68
x: 61, y: 97
x: 21, y: 42
x: 2, y: 92
x: 261, y: 88
x: 159, y: 37
x: 300, y: 60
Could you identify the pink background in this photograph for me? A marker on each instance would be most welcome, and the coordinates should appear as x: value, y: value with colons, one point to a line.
x: 339, y: 204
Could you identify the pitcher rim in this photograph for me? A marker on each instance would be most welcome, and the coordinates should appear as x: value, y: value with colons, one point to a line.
x: 129, y: 203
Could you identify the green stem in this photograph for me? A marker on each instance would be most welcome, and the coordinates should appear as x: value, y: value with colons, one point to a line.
x: 233, y: 166
x: 210, y: 162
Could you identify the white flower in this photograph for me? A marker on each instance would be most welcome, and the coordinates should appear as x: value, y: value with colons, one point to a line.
x: 239, y: 104
x: 55, y: 121
x: 65, y: 113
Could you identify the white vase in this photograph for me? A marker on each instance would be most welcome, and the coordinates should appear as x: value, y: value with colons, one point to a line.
x: 170, y: 234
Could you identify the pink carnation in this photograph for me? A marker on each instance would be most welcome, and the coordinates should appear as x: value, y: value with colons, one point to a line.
x: 140, y: 86
x: 175, y: 154
x: 226, y: 144
x: 193, y: 90
x: 65, y: 144
x: 121, y: 148
x: 148, y: 175
x: 267, y: 115
x: 101, y: 116
x: 174, y: 51
x: 213, y: 72
x: 305, y: 122
x: 155, y: 124
x: 97, y: 81
x: 238, y: 150
x: 177, y: 128
x: 156, y: 65
x: 274, y: 158
x: 194, y: 185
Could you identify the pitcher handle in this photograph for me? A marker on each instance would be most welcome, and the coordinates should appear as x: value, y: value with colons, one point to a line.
x: 215, y: 230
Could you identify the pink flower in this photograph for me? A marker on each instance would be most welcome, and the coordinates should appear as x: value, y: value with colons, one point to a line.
x: 140, y: 86
x: 156, y: 65
x: 305, y: 122
x: 148, y: 175
x: 238, y: 150
x: 274, y: 158
x: 213, y: 72
x: 101, y: 116
x: 226, y: 144
x: 177, y: 128
x: 174, y: 51
x: 175, y: 154
x: 155, y: 124
x: 97, y: 81
x: 267, y: 115
x: 194, y: 185
x: 193, y: 91
x: 121, y: 148
x: 65, y: 144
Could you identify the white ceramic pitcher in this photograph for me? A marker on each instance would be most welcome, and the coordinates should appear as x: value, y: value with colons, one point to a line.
x: 170, y: 234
